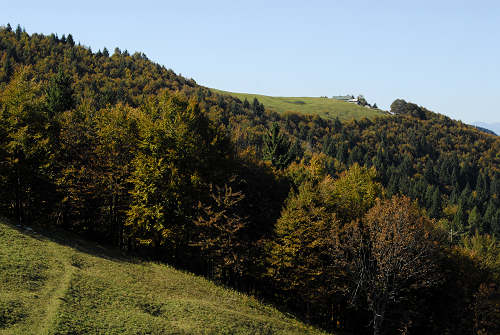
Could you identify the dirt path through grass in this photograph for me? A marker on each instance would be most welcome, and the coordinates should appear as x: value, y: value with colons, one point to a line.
x: 55, y: 299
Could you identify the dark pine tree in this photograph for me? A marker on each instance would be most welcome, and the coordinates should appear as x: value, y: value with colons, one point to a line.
x: 246, y: 104
x: 59, y: 94
x: 435, y: 208
x: 277, y: 148
x: 70, y: 40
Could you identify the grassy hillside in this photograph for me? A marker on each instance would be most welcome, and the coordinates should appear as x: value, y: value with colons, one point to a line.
x: 47, y: 287
x: 324, y: 107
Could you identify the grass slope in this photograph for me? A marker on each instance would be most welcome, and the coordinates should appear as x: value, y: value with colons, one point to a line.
x: 49, y: 287
x: 325, y: 107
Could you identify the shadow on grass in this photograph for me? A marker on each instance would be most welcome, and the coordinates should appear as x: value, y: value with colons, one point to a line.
x: 73, y: 241
x: 108, y: 252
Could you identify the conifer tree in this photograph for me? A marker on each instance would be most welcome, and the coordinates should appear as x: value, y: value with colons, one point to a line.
x: 70, y: 40
x: 466, y: 197
x: 482, y: 189
x: 429, y: 172
x: 18, y: 32
x: 459, y: 223
x: 277, y: 149
x: 435, y: 208
x: 341, y: 152
x: 489, y: 217
x: 59, y: 94
x: 455, y: 193
x: 495, y: 189
x: 6, y: 68
x: 495, y: 225
x: 474, y: 222
x: 337, y: 125
x: 257, y: 107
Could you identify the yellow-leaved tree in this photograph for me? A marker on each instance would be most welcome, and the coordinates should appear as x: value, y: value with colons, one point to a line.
x: 306, y: 259
x: 180, y: 153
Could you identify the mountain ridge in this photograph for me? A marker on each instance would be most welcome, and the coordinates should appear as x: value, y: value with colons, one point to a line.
x: 492, y: 126
x: 328, y: 108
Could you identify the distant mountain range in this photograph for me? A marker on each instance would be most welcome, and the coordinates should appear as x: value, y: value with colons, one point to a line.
x: 494, y: 127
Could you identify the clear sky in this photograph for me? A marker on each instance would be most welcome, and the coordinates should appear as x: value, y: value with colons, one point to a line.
x: 443, y: 55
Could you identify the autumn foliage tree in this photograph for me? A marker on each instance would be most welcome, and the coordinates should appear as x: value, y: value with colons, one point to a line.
x: 116, y: 146
x: 486, y: 309
x: 180, y: 152
x: 301, y: 260
x: 220, y: 234
x: 306, y: 259
x: 25, y: 147
x: 392, y: 254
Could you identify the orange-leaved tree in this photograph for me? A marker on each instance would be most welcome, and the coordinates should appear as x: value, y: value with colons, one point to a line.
x: 392, y: 254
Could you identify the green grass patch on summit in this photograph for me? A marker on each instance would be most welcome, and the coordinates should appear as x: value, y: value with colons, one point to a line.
x: 326, y: 108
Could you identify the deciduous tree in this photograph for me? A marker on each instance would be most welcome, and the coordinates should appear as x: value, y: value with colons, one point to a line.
x: 392, y: 254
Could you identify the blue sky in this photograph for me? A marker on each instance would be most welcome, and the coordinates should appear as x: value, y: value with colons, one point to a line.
x: 444, y: 55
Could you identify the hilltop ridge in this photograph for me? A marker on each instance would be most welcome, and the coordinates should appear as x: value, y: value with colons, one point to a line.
x: 326, y: 108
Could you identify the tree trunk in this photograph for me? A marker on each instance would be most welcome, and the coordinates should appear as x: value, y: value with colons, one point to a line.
x: 19, y: 206
x: 377, y: 323
x: 378, y: 319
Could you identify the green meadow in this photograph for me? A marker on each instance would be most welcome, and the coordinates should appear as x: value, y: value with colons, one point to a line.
x: 50, y: 287
x: 325, y: 107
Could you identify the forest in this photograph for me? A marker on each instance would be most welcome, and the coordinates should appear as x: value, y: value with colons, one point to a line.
x: 388, y: 225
